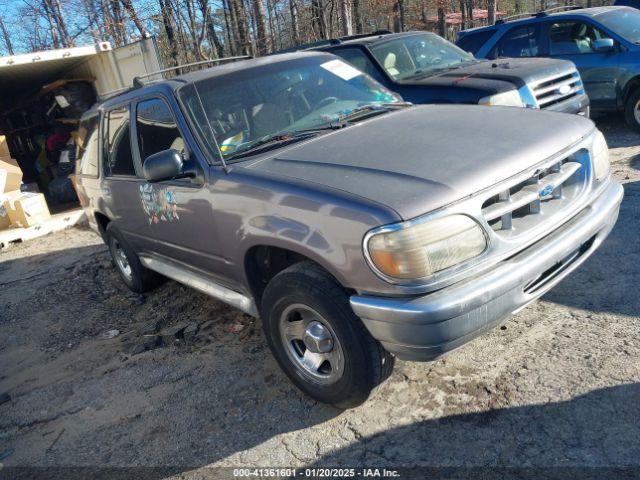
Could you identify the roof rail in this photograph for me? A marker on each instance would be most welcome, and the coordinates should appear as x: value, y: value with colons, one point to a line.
x: 541, y: 13
x: 137, y: 81
x: 365, y: 35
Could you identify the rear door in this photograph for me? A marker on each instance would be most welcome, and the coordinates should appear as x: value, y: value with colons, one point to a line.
x: 572, y: 40
x: 123, y: 178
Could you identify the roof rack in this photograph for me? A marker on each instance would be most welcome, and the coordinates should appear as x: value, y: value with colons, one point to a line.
x: 364, y: 35
x: 138, y: 83
x: 541, y: 13
x: 332, y: 41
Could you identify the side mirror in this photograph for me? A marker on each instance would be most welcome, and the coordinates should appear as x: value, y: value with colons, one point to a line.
x: 603, y: 45
x: 166, y: 165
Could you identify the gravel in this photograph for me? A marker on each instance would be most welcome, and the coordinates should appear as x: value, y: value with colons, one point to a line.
x: 556, y: 386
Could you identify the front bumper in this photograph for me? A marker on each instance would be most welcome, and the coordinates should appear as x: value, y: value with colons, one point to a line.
x: 423, y: 328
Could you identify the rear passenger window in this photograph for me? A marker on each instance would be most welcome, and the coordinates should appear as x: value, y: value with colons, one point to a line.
x: 359, y: 59
x: 475, y: 41
x: 118, y: 158
x: 87, y: 153
x: 157, y: 128
x: 519, y: 42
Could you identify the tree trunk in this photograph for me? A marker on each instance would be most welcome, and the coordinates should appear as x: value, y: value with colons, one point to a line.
x: 357, y: 16
x: 165, y: 11
x: 463, y: 15
x: 52, y: 26
x: 398, y: 16
x: 491, y: 11
x: 345, y: 17
x: 442, y: 21
x: 262, y: 40
x: 228, y: 23
x: 7, y: 38
x: 319, y: 20
x: 295, y: 28
x: 214, y: 40
x: 128, y: 6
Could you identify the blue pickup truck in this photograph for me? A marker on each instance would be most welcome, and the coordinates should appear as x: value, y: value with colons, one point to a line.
x: 425, y: 68
x: 603, y: 43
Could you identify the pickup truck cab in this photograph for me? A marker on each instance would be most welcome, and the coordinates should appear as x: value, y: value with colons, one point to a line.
x: 425, y: 68
x: 603, y: 43
x: 358, y: 227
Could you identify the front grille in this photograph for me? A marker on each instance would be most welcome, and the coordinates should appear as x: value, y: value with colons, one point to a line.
x: 558, y: 89
x: 548, y: 191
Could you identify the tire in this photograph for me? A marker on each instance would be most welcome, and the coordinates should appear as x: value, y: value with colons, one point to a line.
x: 127, y: 264
x: 356, y: 363
x: 633, y: 119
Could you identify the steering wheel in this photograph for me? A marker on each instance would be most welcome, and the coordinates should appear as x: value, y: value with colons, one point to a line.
x: 326, y: 101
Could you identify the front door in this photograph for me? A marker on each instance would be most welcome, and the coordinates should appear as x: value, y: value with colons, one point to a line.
x: 572, y: 40
x: 179, y: 212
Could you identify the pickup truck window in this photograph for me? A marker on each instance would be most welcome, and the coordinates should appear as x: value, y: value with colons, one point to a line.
x: 520, y: 42
x: 422, y: 54
x: 157, y: 128
x: 87, y: 153
x: 119, y: 160
x: 572, y: 37
x: 242, y: 108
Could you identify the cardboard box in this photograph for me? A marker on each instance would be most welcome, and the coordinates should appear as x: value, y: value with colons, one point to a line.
x: 5, y: 221
x: 10, y: 177
x: 27, y: 209
x: 5, y: 155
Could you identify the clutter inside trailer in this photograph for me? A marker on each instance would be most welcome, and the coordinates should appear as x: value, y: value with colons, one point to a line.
x: 44, y: 94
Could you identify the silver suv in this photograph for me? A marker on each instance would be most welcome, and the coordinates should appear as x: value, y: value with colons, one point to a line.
x: 358, y: 227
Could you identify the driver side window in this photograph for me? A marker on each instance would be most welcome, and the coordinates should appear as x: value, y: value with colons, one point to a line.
x: 157, y: 128
x: 572, y: 38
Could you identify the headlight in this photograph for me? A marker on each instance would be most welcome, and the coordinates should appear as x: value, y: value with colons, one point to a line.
x: 418, y: 250
x: 504, y: 99
x: 600, y: 153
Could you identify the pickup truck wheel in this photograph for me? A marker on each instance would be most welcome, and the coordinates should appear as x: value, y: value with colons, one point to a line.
x: 317, y: 339
x: 632, y: 110
x: 133, y: 274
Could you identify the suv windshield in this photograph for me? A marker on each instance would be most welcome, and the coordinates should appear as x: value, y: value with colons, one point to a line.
x: 243, y: 109
x: 625, y: 22
x: 422, y: 54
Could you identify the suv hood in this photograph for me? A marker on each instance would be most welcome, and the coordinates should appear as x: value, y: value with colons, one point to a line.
x: 493, y: 74
x: 425, y: 157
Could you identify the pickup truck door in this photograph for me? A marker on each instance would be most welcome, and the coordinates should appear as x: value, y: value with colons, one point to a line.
x: 571, y: 40
x: 122, y: 177
x: 179, y: 212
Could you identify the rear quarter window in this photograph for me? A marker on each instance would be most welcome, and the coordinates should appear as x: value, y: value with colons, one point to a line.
x: 473, y: 42
x: 87, y: 143
x: 118, y: 157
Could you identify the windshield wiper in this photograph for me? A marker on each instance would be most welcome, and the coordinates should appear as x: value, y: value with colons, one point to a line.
x: 371, y: 109
x: 283, y: 138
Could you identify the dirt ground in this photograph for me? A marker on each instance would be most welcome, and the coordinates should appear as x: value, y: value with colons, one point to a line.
x: 558, y: 385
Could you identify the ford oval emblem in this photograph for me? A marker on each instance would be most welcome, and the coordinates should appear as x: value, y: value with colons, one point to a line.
x: 546, y: 190
x: 564, y: 89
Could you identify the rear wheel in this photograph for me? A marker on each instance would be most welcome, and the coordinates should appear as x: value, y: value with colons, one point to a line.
x: 317, y: 339
x: 133, y: 274
x: 632, y: 110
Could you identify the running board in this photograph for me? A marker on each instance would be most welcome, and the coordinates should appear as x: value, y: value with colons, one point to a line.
x: 201, y: 283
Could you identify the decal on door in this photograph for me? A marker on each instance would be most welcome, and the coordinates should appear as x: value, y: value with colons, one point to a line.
x: 159, y: 203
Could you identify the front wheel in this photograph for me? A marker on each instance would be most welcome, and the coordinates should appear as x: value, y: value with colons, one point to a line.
x: 632, y: 110
x: 318, y: 341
